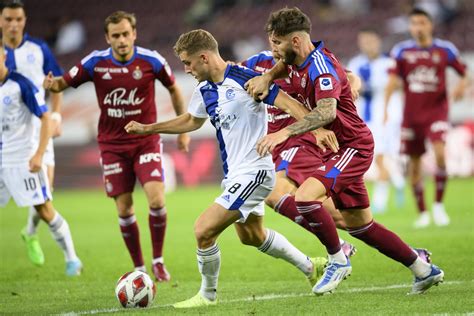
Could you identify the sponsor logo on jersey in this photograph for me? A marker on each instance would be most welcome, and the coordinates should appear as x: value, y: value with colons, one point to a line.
x: 325, y: 83
x: 412, y: 56
x: 7, y: 100
x: 117, y: 97
x: 107, y: 76
x: 137, y: 74
x: 155, y: 173
x: 73, y: 71
x: 422, y: 79
x: 230, y: 94
x: 113, y: 70
x: 146, y: 158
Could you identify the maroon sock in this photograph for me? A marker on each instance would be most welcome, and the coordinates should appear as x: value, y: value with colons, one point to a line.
x: 440, y: 179
x: 131, y: 236
x: 321, y: 224
x: 419, y: 191
x: 385, y: 241
x: 157, y: 224
x: 287, y: 207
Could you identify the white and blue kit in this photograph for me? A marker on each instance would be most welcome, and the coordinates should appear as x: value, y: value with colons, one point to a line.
x: 20, y: 103
x: 370, y: 105
x: 240, y: 122
x: 34, y: 60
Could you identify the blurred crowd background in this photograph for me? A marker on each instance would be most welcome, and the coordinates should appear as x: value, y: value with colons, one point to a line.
x: 75, y: 28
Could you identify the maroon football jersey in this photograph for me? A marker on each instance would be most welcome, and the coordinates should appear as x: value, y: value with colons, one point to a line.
x: 423, y: 71
x: 322, y: 76
x: 125, y: 91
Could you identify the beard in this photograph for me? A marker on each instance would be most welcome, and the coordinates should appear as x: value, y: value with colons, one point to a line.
x: 289, y: 57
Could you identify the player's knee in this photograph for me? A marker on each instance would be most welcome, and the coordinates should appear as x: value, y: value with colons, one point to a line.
x: 156, y: 203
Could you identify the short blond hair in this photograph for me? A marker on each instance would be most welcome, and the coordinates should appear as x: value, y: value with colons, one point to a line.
x: 117, y: 17
x: 195, y: 41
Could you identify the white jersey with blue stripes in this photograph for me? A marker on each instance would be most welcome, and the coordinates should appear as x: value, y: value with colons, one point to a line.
x: 374, y: 75
x: 239, y: 120
x: 20, y: 102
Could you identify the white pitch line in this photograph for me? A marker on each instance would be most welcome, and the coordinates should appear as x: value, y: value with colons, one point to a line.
x: 266, y: 297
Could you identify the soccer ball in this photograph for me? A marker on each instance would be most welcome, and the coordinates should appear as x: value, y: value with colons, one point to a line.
x: 135, y: 289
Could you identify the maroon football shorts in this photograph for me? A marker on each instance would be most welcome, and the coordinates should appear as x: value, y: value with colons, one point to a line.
x: 413, y: 137
x: 343, y: 177
x: 123, y: 164
x: 298, y: 159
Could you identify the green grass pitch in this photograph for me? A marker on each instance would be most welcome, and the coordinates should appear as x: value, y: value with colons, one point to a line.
x: 250, y: 282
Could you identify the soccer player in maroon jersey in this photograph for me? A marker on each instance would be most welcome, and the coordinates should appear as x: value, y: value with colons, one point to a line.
x: 124, y: 77
x: 421, y: 63
x: 322, y: 84
x: 292, y: 157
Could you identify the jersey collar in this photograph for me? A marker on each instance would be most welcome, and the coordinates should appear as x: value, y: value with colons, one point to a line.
x: 317, y: 46
x: 118, y: 63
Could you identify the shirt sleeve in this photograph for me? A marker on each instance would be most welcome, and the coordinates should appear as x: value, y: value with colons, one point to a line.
x: 326, y: 86
x: 272, y: 94
x: 196, y: 105
x: 50, y: 63
x: 77, y: 75
x: 454, y: 60
x: 163, y: 70
x: 396, y: 66
x: 32, y: 97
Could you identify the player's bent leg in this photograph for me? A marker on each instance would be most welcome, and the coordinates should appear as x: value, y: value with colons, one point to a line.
x: 61, y: 232
x: 440, y: 217
x: 207, y: 229
x: 129, y: 228
x: 276, y: 245
x: 416, y: 179
x: 157, y: 219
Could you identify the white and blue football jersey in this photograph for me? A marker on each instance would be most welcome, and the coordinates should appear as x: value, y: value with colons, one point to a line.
x: 34, y: 60
x: 20, y: 102
x: 374, y: 75
x: 239, y: 120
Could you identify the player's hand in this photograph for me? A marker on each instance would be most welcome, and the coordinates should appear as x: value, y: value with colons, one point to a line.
x: 35, y: 163
x: 326, y: 139
x: 135, y: 128
x: 48, y: 81
x: 269, y: 142
x: 258, y: 87
x: 354, y: 93
x: 183, y: 142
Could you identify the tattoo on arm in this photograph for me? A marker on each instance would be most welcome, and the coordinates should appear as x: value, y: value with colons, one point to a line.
x: 323, y: 114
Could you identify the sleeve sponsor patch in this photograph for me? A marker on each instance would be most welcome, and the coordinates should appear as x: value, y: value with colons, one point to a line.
x: 73, y: 72
x: 325, y: 83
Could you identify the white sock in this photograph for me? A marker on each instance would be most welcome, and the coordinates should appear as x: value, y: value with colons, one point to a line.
x: 209, y: 264
x: 60, y: 230
x: 33, y: 221
x: 380, y: 197
x: 338, y: 257
x: 140, y: 268
x: 158, y: 260
x: 341, y: 241
x: 420, y: 268
x: 277, y: 246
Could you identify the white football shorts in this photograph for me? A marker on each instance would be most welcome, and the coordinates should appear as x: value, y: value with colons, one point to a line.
x: 26, y: 188
x: 247, y: 192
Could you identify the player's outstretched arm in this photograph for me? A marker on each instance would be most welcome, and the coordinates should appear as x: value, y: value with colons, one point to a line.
x: 177, y: 100
x: 258, y: 86
x: 45, y: 133
x: 182, y: 124
x: 458, y: 91
x: 56, y: 103
x: 391, y: 86
x: 54, y: 84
